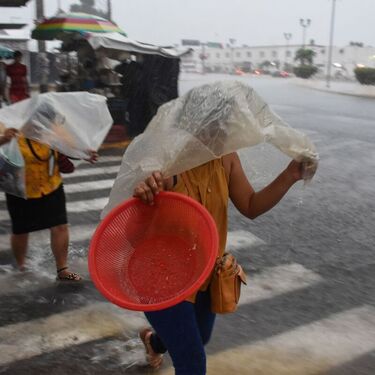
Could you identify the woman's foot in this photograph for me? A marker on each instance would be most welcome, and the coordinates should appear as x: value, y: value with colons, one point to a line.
x: 154, y: 359
x: 63, y: 274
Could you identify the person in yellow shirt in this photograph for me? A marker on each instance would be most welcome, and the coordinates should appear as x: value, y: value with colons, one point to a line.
x: 45, y: 206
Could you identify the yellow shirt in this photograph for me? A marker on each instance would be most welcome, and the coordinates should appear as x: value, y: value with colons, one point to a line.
x: 38, y: 182
x: 210, y: 187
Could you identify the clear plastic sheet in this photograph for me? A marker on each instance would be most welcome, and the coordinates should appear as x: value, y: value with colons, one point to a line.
x: 12, y: 168
x: 71, y: 123
x: 206, y: 123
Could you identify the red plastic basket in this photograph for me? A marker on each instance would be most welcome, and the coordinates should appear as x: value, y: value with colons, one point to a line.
x: 150, y: 257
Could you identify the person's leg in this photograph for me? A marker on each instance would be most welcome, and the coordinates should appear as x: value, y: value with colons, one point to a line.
x: 205, y: 318
x: 18, y: 244
x: 178, y: 330
x: 59, y: 246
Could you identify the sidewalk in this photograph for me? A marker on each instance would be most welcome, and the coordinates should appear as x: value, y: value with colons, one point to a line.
x: 343, y: 88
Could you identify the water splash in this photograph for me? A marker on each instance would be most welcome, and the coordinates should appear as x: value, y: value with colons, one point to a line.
x: 120, y: 353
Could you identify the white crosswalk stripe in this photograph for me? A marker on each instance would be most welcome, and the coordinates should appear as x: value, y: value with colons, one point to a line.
x: 93, y: 171
x: 100, y: 320
x: 311, y: 349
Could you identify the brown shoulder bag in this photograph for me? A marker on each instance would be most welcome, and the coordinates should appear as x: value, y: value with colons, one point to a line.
x: 225, y: 286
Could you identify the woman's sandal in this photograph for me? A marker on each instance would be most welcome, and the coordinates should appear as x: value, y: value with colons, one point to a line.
x: 154, y: 359
x: 69, y: 276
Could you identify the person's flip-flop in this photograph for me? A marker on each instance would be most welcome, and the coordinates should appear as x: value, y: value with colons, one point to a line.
x: 154, y: 359
x: 69, y: 276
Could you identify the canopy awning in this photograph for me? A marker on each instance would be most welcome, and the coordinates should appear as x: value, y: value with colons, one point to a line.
x: 114, y: 45
x: 13, y: 3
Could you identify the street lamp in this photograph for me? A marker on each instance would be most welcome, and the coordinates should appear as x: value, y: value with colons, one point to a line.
x: 329, y: 63
x: 232, y: 42
x: 287, y: 37
x: 305, y: 23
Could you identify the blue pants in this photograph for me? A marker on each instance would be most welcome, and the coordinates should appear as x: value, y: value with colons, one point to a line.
x: 183, y: 330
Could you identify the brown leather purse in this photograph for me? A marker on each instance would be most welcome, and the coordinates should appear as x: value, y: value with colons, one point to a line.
x: 225, y: 286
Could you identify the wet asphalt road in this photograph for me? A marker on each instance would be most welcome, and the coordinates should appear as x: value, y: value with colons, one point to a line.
x: 326, y: 227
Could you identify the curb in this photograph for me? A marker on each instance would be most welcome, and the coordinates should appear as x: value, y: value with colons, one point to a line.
x: 333, y: 91
x: 108, y: 146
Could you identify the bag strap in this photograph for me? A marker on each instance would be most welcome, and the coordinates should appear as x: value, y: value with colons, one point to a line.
x: 34, y: 152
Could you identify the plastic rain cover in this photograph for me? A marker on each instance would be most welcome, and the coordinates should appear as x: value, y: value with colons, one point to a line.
x: 12, y: 179
x: 71, y: 123
x: 206, y: 123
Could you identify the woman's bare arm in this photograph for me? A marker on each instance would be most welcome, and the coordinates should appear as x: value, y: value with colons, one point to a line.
x: 250, y: 203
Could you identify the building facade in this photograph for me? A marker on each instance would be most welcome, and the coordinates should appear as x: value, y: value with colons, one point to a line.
x: 227, y: 58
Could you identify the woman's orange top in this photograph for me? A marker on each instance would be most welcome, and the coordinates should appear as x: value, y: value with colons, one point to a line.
x: 38, y: 181
x: 209, y: 186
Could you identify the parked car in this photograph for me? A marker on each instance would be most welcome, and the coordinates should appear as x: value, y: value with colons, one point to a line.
x: 280, y: 73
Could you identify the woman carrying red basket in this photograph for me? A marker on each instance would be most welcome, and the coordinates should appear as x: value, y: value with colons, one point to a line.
x: 184, y: 329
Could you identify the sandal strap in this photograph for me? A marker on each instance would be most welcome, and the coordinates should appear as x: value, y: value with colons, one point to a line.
x: 62, y: 269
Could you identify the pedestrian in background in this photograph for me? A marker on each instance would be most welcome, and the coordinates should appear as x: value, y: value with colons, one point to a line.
x: 19, y: 86
x: 3, y: 81
x: 45, y: 206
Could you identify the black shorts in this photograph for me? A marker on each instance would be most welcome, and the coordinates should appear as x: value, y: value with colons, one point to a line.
x: 30, y: 215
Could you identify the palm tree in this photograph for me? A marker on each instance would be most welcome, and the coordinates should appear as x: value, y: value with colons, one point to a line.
x: 305, y: 56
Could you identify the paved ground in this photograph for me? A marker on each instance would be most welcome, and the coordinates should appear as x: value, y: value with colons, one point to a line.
x: 309, y: 307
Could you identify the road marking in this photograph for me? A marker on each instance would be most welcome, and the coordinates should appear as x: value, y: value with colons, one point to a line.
x: 240, y: 239
x: 311, y: 349
x: 59, y: 331
x: 88, y: 186
x: 109, y: 158
x: 274, y: 281
x: 92, y: 172
x: 96, y: 204
x: 77, y: 233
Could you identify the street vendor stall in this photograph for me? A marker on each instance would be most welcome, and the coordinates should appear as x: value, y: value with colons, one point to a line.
x: 136, y: 77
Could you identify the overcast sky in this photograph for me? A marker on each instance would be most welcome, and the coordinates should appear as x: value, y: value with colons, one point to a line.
x: 260, y: 22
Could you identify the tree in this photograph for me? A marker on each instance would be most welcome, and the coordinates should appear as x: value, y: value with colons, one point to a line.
x: 305, y: 56
x: 88, y: 6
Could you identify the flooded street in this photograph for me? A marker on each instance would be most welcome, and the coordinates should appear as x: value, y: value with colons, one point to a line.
x: 309, y: 306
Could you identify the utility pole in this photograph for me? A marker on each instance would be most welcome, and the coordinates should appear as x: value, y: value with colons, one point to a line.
x: 329, y: 63
x: 43, y: 60
x: 305, y: 23
x: 39, y: 5
x: 109, y: 10
x: 203, y: 57
x: 232, y: 42
x: 287, y: 37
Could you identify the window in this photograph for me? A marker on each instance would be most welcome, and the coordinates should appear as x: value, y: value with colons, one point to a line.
x: 238, y: 54
x: 274, y: 53
x: 227, y: 55
x: 262, y: 54
x: 288, y: 54
x: 342, y: 50
x: 249, y: 54
x: 218, y: 55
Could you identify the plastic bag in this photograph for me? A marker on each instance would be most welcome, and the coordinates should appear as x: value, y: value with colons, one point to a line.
x: 206, y: 123
x: 71, y: 123
x: 12, y: 169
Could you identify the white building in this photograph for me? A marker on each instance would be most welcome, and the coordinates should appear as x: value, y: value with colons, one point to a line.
x: 228, y: 59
